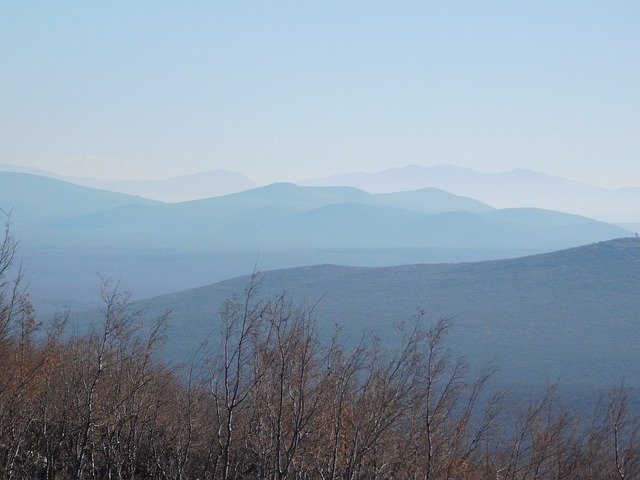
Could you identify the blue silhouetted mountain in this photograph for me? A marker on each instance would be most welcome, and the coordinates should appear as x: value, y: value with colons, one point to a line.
x: 515, y: 188
x: 571, y: 316
x: 49, y: 199
x: 173, y: 189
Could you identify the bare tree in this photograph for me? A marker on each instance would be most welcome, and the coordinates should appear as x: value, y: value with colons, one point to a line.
x: 612, y: 446
x: 233, y: 374
x: 287, y: 399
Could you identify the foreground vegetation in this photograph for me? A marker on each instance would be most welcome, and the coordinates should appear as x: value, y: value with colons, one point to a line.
x: 264, y: 398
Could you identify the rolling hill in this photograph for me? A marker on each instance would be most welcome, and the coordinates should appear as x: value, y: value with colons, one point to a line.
x: 571, y: 316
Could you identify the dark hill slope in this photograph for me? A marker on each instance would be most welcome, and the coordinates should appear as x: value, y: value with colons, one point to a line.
x: 571, y: 315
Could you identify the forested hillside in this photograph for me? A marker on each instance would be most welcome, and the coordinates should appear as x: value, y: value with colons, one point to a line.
x: 266, y: 398
x: 571, y: 316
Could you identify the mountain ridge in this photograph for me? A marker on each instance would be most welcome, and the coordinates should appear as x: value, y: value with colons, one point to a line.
x: 178, y: 188
x: 571, y: 315
x: 518, y: 187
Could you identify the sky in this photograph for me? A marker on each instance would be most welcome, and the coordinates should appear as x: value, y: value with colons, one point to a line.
x: 287, y: 90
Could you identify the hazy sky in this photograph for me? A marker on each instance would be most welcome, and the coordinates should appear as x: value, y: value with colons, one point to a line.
x: 288, y: 90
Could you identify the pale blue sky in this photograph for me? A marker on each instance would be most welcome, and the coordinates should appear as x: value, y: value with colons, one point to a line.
x: 281, y: 91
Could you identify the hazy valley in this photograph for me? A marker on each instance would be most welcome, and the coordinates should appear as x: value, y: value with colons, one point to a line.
x: 362, y: 288
x: 379, y: 258
x: 69, y: 233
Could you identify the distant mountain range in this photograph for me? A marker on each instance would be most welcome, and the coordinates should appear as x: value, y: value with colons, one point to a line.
x: 571, y: 316
x: 175, y: 189
x: 515, y: 188
x: 68, y: 233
